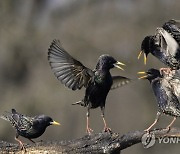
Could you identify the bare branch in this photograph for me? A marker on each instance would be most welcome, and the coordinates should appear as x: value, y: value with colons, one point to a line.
x: 110, y: 143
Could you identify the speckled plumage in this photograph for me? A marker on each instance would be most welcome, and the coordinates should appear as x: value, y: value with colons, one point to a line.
x: 74, y: 75
x: 166, y: 97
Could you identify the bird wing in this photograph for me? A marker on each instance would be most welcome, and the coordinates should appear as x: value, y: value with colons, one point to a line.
x: 72, y: 73
x: 167, y: 101
x: 174, y: 81
x: 25, y: 123
x: 173, y: 27
x: 119, y: 81
x: 21, y: 122
x: 168, y: 44
x: 160, y: 93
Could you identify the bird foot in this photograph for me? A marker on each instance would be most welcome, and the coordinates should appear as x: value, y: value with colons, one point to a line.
x: 89, y: 130
x: 107, y: 129
x: 22, y: 147
x: 168, y: 129
x: 147, y: 131
x: 165, y: 70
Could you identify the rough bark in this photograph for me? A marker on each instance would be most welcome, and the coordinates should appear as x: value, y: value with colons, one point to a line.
x: 111, y: 143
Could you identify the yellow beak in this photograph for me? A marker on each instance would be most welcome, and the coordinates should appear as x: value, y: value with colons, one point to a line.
x: 145, y: 58
x: 140, y: 54
x: 117, y: 65
x: 142, y: 77
x: 55, y: 123
x: 141, y: 72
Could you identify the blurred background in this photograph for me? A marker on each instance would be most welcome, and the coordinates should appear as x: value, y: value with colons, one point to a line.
x: 86, y: 29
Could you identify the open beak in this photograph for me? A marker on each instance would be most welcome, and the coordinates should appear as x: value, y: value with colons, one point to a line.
x: 117, y: 65
x: 55, y: 123
x: 140, y: 53
x: 144, y: 75
x: 145, y: 58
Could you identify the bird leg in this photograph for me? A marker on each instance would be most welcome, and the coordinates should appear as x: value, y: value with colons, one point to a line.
x: 21, y: 144
x: 169, y: 126
x: 155, y: 121
x: 88, y: 129
x: 106, y: 129
x: 165, y: 70
x: 31, y: 140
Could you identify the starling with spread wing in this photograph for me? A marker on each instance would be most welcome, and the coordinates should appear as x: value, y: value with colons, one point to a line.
x: 28, y: 127
x: 74, y: 75
x: 166, y: 92
x: 165, y: 45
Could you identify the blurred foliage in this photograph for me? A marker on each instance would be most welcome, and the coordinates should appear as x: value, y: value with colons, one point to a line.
x: 87, y: 29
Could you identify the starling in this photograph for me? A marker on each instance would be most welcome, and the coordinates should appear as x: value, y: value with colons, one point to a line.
x: 166, y: 90
x: 28, y: 127
x: 74, y: 75
x: 164, y: 45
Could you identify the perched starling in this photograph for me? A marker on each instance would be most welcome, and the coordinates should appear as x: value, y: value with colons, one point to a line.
x: 166, y: 89
x: 28, y: 127
x: 74, y: 75
x: 164, y: 45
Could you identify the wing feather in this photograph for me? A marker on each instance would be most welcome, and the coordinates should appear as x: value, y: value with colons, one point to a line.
x: 173, y: 27
x: 168, y: 43
x: 119, y: 81
x: 72, y: 73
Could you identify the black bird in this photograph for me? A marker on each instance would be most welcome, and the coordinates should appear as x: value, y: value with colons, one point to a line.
x: 28, y: 127
x: 166, y: 88
x: 74, y: 75
x: 165, y: 45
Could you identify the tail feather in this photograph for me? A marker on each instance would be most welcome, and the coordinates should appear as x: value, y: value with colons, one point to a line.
x: 6, y: 116
x: 13, y: 111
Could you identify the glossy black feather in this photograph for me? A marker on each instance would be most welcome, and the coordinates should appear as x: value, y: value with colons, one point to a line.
x: 74, y: 75
x: 119, y: 81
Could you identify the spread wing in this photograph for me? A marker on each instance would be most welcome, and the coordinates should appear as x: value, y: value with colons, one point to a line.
x: 168, y: 44
x: 72, y: 73
x: 119, y: 81
x: 173, y: 27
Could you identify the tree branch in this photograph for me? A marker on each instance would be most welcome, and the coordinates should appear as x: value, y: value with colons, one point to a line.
x: 110, y: 143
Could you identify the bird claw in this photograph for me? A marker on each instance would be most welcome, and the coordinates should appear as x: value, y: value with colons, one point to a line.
x: 168, y: 129
x: 89, y: 130
x: 165, y: 70
x: 107, y: 129
x: 147, y: 131
x: 23, y: 148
